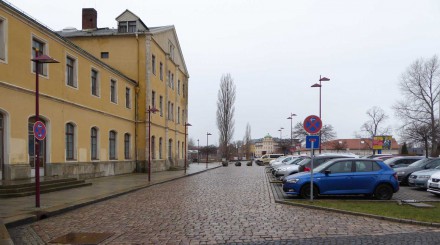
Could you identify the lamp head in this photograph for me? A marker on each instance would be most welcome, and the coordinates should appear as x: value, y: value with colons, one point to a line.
x: 188, y: 124
x: 153, y: 110
x: 44, y: 59
x: 316, y: 85
x: 324, y: 79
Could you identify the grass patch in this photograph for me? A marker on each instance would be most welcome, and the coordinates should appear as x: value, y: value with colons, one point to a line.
x: 386, y: 209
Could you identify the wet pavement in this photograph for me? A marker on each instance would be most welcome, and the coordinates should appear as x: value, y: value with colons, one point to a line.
x: 227, y: 205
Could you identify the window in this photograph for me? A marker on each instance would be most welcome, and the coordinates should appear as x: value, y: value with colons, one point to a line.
x: 367, y: 166
x: 169, y: 78
x: 170, y: 149
x: 172, y: 81
x: 112, y: 145
x: 169, y: 111
x: 183, y: 90
x: 153, y: 64
x: 94, y: 143
x: 153, y: 147
x: 94, y: 82
x: 161, y: 71
x: 183, y: 115
x: 38, y: 48
x: 341, y: 167
x: 104, y: 55
x: 161, y: 105
x: 183, y: 149
x: 127, y: 98
x: 172, y: 111
x: 178, y: 114
x: 127, y: 146
x: 160, y: 148
x: 177, y: 148
x: 70, y: 141
x: 71, y: 72
x: 153, y: 99
x: 171, y: 51
x: 127, y: 26
x: 178, y: 87
x: 3, y: 39
x: 113, y: 95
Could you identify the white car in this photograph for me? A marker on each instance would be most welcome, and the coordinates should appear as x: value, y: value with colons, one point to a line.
x: 279, y: 159
x: 434, y: 184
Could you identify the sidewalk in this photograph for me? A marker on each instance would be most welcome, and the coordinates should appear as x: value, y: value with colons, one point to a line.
x: 21, y: 210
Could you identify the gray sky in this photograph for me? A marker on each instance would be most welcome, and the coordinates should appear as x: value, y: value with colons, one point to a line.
x: 275, y: 50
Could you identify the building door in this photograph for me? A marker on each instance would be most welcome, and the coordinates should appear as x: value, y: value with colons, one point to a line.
x: 170, y: 150
x: 31, y: 145
x: 2, y: 142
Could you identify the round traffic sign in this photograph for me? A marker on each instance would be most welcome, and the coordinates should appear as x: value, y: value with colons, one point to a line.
x: 39, y: 130
x: 312, y: 124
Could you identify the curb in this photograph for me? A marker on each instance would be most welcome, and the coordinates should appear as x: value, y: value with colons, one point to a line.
x: 24, y: 219
x: 406, y: 221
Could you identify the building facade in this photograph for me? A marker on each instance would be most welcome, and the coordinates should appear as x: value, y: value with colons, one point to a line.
x: 95, y: 102
x: 153, y: 57
x: 267, y: 145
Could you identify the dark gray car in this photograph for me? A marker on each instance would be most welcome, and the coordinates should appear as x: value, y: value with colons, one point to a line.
x: 403, y: 161
x: 405, y: 172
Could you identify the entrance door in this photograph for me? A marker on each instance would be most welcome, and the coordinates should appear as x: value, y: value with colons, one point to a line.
x: 31, y: 147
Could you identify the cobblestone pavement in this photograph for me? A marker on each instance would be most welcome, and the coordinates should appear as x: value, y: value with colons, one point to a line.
x: 231, y: 205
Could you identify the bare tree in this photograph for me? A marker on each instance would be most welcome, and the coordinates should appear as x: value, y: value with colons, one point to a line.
x: 374, y: 126
x: 418, y: 134
x: 225, y: 113
x: 420, y: 86
x: 247, y: 141
x: 339, y: 145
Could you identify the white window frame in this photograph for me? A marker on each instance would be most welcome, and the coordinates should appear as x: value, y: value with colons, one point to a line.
x: 3, y: 40
x: 128, y: 98
x: 98, y: 82
x: 45, y: 51
x: 115, y: 92
x: 75, y: 71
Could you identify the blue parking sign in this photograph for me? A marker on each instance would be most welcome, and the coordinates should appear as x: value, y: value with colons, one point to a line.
x: 312, y: 140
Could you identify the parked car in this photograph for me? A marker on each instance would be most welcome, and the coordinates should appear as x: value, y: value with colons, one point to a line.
x: 291, y: 163
x: 402, y: 161
x: 434, y: 184
x: 420, y: 178
x: 280, y: 160
x: 305, y: 165
x: 404, y: 172
x: 344, y: 177
x: 265, y: 159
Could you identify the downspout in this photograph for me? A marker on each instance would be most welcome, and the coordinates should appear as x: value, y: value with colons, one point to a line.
x: 136, y: 111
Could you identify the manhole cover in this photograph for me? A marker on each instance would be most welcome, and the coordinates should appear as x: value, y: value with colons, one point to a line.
x: 82, y: 238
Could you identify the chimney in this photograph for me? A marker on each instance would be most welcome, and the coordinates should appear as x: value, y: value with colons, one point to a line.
x: 89, y: 18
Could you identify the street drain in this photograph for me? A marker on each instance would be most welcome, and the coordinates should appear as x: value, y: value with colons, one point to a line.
x: 82, y: 238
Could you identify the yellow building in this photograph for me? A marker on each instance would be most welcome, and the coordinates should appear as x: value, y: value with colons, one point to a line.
x: 88, y: 106
x: 153, y: 57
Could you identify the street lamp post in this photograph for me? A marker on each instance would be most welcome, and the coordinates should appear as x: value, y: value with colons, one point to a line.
x: 186, y: 126
x: 291, y: 128
x: 281, y: 141
x: 316, y: 85
x: 198, y: 149
x: 150, y: 110
x: 207, y: 152
x: 38, y: 59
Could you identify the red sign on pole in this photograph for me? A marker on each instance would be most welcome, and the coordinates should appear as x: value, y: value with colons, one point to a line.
x: 39, y: 130
x: 312, y: 124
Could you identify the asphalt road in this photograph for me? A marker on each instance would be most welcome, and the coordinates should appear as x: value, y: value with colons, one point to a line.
x: 232, y: 205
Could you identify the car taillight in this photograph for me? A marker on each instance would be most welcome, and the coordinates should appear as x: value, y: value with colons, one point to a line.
x: 306, y: 169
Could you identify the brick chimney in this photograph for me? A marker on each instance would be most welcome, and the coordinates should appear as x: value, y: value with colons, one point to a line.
x: 89, y: 18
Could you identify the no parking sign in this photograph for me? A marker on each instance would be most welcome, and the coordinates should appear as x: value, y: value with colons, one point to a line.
x: 39, y: 130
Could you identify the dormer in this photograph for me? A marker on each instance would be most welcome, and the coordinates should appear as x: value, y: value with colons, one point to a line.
x: 130, y: 23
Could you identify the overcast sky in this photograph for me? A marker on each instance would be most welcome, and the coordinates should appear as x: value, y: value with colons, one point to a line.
x: 275, y: 50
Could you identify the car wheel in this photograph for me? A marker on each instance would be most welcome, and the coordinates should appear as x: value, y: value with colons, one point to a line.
x: 305, y: 191
x: 383, y: 192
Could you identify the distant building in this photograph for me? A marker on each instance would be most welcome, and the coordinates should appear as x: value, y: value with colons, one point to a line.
x: 266, y: 145
x: 362, y: 147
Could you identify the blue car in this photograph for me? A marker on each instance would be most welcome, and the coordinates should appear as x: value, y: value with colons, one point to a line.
x: 345, y: 176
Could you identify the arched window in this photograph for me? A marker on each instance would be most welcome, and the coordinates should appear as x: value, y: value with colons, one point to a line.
x: 160, y: 148
x: 31, y: 144
x: 112, y: 145
x: 153, y: 147
x: 127, y: 146
x: 170, y: 149
x: 94, y: 143
x: 70, y: 141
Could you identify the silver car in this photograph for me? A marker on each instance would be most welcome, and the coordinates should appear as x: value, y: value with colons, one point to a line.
x: 278, y: 171
x: 420, y: 178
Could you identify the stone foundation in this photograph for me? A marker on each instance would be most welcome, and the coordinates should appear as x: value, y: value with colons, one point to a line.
x: 87, y: 170
x: 17, y: 171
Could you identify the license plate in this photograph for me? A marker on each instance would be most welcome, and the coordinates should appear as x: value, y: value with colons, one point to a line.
x: 434, y: 185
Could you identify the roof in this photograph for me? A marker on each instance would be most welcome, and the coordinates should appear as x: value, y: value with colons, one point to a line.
x: 356, y: 144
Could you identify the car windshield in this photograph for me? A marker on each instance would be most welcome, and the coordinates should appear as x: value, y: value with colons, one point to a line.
x: 391, y: 160
x: 304, y: 161
x: 295, y: 160
x: 420, y: 163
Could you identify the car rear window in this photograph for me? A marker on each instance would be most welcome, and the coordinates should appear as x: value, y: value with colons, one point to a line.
x: 367, y: 166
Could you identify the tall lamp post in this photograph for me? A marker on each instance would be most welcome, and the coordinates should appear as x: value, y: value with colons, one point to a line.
x: 39, y: 59
x: 150, y: 110
x: 281, y: 141
x: 316, y: 85
x: 291, y: 128
x: 207, y: 152
x: 186, y: 126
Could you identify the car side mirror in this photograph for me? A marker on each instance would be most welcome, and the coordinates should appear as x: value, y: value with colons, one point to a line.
x: 327, y: 172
